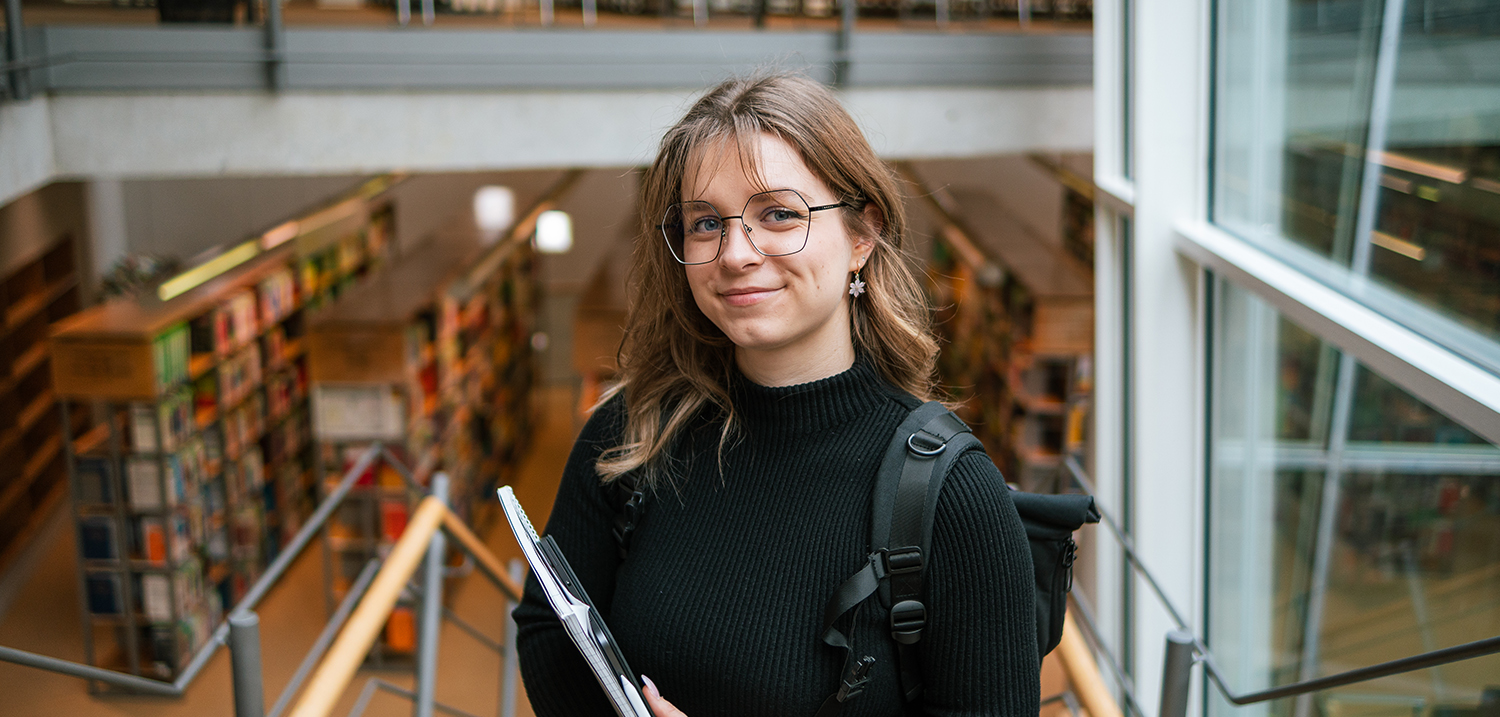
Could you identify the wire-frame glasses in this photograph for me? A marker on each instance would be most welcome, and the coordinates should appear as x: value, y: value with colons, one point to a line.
x: 776, y: 222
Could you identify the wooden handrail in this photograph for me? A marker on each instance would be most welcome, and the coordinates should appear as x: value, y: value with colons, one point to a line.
x: 1083, y: 673
x: 354, y: 641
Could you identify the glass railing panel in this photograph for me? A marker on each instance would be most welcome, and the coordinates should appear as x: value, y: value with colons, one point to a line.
x: 1349, y: 524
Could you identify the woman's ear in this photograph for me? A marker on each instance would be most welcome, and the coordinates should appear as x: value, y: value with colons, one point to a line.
x: 874, y: 221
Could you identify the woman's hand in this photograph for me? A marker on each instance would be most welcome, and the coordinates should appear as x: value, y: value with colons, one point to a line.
x: 659, y: 706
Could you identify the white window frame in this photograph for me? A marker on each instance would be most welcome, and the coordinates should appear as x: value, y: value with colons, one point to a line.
x: 1173, y: 250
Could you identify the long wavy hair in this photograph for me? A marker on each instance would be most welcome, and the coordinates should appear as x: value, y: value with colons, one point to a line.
x: 674, y: 362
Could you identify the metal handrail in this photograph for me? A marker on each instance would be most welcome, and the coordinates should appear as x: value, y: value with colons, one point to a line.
x: 1185, y: 638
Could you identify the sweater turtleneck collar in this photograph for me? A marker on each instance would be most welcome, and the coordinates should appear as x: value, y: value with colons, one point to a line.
x: 812, y: 406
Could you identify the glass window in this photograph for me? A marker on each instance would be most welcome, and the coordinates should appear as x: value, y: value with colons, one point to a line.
x: 1360, y: 140
x: 1349, y: 524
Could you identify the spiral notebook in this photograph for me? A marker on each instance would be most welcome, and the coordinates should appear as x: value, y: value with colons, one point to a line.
x: 577, y: 612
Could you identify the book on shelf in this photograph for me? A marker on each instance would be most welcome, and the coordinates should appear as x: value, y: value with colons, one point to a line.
x: 235, y: 322
x: 246, y: 476
x: 103, y: 591
x: 401, y: 630
x: 245, y: 534
x: 394, y: 514
x: 278, y: 296
x: 159, y: 591
x: 93, y: 482
x: 169, y: 354
x: 163, y: 539
x: 146, y: 479
x: 239, y: 375
x: 171, y: 419
x: 99, y: 537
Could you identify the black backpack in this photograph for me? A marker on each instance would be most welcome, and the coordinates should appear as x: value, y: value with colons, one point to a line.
x: 905, y: 501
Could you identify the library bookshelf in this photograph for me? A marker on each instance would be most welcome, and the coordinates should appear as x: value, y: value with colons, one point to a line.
x: 34, y: 296
x: 440, y: 369
x: 1017, y: 346
x: 197, y: 467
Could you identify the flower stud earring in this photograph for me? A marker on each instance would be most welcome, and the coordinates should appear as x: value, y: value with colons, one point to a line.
x: 856, y: 287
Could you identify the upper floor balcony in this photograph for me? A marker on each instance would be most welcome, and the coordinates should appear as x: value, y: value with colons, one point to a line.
x: 63, y: 46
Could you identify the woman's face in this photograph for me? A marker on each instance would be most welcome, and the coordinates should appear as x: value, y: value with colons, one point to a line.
x: 778, y: 307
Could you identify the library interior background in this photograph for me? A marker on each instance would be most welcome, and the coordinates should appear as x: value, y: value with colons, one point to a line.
x: 267, y: 269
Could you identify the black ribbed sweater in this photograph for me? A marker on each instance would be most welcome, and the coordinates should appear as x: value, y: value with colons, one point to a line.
x: 720, y: 601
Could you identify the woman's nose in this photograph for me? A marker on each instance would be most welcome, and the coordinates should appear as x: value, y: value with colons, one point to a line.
x: 737, y: 250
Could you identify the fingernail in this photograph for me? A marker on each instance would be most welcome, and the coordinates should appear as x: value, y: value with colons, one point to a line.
x: 650, y: 687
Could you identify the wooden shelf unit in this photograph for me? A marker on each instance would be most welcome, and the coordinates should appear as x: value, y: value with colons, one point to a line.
x: 198, y: 471
x: 412, y: 359
x: 36, y: 295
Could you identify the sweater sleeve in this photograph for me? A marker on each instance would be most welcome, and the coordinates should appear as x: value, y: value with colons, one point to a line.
x: 978, y: 652
x: 558, y: 680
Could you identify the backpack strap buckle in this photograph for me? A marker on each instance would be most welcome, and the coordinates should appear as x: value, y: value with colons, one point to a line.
x: 855, y: 679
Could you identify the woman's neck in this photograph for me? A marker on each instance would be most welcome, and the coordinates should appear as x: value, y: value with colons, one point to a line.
x: 800, y: 362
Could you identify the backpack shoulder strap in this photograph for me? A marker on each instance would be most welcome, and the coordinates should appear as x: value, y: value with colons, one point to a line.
x: 902, y: 506
x: 930, y: 452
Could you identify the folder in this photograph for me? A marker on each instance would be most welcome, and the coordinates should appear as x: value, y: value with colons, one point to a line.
x: 581, y: 619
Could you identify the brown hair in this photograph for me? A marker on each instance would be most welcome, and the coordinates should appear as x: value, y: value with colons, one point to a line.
x: 674, y: 362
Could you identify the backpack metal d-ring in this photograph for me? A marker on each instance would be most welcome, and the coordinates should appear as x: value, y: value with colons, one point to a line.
x: 922, y: 451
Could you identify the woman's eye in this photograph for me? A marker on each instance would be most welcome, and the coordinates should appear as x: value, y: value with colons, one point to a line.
x: 781, y: 215
x: 706, y: 225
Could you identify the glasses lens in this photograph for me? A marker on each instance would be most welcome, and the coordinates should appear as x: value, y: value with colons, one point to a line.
x: 778, y: 222
x: 692, y: 230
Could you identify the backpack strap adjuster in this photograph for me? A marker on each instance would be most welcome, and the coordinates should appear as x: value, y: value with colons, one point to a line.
x: 908, y: 617
x: 903, y: 561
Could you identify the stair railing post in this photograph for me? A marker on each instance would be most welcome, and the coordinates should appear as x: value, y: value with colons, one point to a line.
x: 1176, y: 674
x: 244, y: 663
x: 432, y: 609
x: 508, y: 661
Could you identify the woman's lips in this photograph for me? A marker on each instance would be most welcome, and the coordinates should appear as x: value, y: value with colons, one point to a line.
x: 746, y: 297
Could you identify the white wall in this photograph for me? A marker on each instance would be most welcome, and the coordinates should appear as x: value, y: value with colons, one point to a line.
x: 139, y: 136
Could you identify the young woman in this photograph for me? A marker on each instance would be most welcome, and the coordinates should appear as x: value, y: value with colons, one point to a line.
x: 777, y: 338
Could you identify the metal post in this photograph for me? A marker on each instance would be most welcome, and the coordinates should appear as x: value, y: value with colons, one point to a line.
x: 942, y: 13
x: 403, y: 12
x: 545, y: 6
x: 1176, y: 674
x: 590, y: 12
x: 508, y: 663
x: 432, y: 610
x: 244, y: 662
x: 275, y: 46
x: 429, y: 12
x: 15, y: 47
x: 843, y: 51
